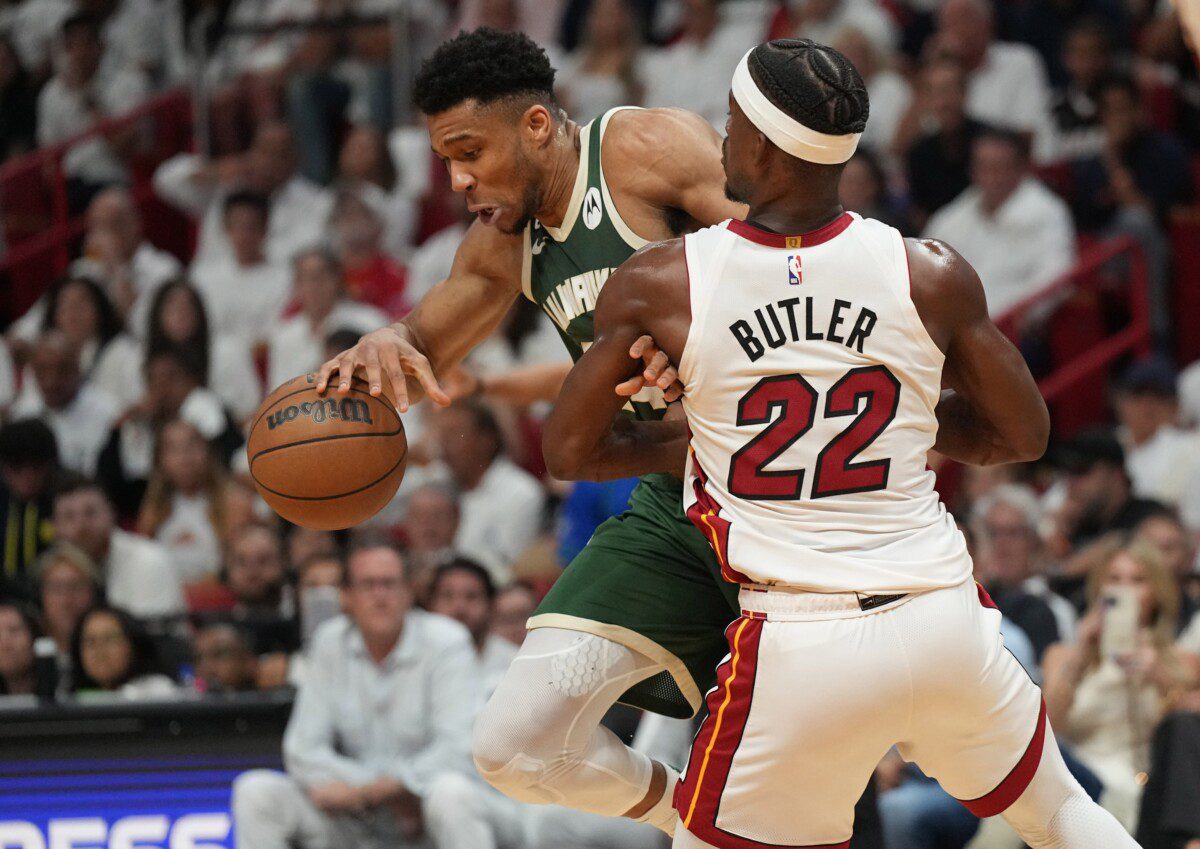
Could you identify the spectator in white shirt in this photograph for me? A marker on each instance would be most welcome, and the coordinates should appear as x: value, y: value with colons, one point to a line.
x: 1162, y: 460
x: 823, y: 20
x: 464, y: 591
x: 137, y: 573
x: 605, y: 70
x: 198, y: 187
x: 298, y: 345
x: 501, y: 504
x: 1007, y: 83
x: 79, y: 414
x: 80, y: 95
x: 246, y: 292
x: 1015, y: 232
x: 888, y: 93
x: 386, y: 707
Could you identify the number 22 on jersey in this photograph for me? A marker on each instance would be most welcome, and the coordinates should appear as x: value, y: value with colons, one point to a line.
x: 788, y: 404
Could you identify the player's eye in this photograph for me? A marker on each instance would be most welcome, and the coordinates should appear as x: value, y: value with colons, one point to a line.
x: 471, y: 154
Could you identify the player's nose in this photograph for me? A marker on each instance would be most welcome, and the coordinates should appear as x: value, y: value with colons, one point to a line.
x: 461, y: 180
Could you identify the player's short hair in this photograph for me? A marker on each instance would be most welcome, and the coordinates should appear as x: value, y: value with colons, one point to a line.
x: 488, y: 66
x: 812, y: 83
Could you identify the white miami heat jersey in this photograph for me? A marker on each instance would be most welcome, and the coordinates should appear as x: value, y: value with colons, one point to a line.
x: 810, y: 385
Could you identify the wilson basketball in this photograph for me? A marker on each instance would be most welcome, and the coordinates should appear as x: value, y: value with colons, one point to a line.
x: 326, y: 462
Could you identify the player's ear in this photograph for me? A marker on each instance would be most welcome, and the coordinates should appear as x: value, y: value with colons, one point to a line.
x: 537, y: 122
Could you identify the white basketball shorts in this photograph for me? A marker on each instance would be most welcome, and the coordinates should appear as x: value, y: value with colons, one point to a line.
x: 815, y: 691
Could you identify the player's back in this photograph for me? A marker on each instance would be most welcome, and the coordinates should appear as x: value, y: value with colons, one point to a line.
x: 810, y: 390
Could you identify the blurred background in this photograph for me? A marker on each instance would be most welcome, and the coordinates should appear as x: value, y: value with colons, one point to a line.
x: 202, y: 198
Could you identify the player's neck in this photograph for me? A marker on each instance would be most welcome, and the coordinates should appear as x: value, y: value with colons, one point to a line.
x: 560, y: 182
x: 788, y: 216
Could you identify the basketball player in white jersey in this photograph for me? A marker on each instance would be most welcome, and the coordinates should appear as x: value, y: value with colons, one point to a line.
x: 813, y: 346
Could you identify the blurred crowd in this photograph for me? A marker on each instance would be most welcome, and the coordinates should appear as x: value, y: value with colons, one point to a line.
x: 137, y: 562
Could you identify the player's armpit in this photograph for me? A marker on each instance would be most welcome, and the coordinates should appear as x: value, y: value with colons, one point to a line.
x: 993, y: 411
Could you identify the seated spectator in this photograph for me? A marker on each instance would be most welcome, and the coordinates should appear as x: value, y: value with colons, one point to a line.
x: 35, y: 24
x: 225, y: 659
x: 174, y: 388
x: 500, y: 503
x: 68, y: 587
x: 297, y: 344
x: 28, y: 463
x: 1015, y: 232
x: 21, y: 674
x: 463, y: 590
x: 694, y: 70
x: 1107, y: 705
x: 386, y: 707
x: 1005, y: 524
x: 1099, y: 505
x: 178, y: 318
x: 888, y: 93
x: 199, y: 187
x: 1166, y: 534
x: 429, y: 526
x: 939, y: 158
x: 191, y: 507
x: 366, y: 166
x: 137, y: 573
x: 372, y: 277
x: 18, y: 104
x: 604, y: 71
x: 111, y: 653
x: 80, y: 94
x: 1162, y: 460
x: 244, y: 292
x: 79, y: 308
x: 78, y: 413
x: 1006, y: 81
x: 1138, y: 166
x: 305, y: 543
x: 132, y: 269
x: 264, y: 603
x: 514, y: 605
x: 1086, y: 57
x: 864, y: 189
x: 319, y: 580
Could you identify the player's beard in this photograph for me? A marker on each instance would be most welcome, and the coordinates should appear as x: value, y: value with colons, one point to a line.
x: 733, y: 194
x: 531, y: 199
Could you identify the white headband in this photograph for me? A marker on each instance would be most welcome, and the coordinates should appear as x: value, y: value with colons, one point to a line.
x: 788, y: 134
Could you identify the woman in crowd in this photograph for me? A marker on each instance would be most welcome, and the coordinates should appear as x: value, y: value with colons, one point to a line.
x: 603, y: 72
x: 20, y: 672
x: 191, y: 506
x: 80, y: 309
x: 365, y: 165
x: 1107, y: 704
x: 68, y: 587
x: 112, y: 653
x: 177, y: 316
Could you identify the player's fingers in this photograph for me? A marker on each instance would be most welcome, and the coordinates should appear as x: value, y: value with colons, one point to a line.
x: 395, y: 372
x: 669, y: 375
x: 632, y: 386
x: 638, y: 347
x: 345, y: 372
x: 655, y: 366
x: 323, y: 375
x: 673, y: 392
x: 417, y: 364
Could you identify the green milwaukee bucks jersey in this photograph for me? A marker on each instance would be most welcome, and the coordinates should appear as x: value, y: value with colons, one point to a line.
x: 565, y: 267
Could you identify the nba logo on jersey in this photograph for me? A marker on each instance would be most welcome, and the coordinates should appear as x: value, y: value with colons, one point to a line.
x: 794, y: 278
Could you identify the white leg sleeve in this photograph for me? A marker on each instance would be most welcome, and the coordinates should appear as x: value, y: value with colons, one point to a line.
x: 539, y: 739
x: 1054, y: 812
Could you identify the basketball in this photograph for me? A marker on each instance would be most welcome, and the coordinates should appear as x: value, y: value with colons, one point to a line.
x: 326, y: 462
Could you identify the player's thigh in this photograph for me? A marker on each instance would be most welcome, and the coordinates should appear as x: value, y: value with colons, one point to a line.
x: 979, y: 721
x: 801, y: 715
x: 651, y: 583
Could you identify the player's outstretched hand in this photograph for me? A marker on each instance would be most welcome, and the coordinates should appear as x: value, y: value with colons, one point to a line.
x: 383, y: 353
x: 657, y: 371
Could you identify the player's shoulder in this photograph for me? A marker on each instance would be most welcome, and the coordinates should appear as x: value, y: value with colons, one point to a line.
x: 943, y: 284
x: 646, y: 277
x: 658, y: 133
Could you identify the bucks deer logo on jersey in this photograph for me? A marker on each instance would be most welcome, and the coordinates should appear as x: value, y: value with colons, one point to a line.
x: 794, y: 278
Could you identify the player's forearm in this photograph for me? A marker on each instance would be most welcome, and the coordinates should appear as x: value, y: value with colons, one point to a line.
x: 628, y: 449
x: 968, y: 437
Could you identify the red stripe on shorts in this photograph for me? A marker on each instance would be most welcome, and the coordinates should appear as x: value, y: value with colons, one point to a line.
x: 705, y: 514
x: 1011, y: 788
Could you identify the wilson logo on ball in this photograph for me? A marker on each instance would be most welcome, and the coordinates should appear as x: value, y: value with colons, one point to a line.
x: 347, y: 409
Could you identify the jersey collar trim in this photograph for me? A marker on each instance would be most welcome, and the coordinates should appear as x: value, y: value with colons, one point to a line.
x: 803, y: 240
x: 560, y: 233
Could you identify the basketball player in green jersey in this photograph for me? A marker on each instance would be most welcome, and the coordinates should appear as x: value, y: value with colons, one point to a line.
x: 639, y: 616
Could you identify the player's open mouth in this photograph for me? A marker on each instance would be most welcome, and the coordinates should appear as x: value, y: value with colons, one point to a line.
x: 487, y: 214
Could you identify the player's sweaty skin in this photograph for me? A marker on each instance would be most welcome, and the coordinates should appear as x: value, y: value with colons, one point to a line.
x: 663, y: 168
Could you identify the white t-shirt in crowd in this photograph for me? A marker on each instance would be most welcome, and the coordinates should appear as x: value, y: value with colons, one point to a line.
x: 190, y: 539
x: 494, y: 660
x: 695, y: 76
x: 297, y: 347
x: 64, y: 112
x: 430, y: 264
x: 149, y: 269
x: 140, y: 578
x: 299, y: 210
x: 1166, y: 468
x: 245, y: 302
x: 866, y: 16
x: 80, y: 428
x: 889, y: 95
x: 500, y: 518
x: 1010, y: 89
x: 1027, y: 243
x: 35, y: 26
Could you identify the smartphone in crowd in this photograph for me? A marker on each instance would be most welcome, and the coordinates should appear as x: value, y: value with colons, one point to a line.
x: 1118, y: 631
